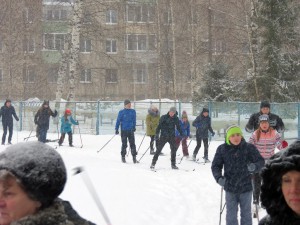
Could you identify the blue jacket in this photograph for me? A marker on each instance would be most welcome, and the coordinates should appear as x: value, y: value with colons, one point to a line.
x: 203, y: 125
x: 127, y: 120
x: 185, y: 127
x: 66, y: 124
x: 234, y: 160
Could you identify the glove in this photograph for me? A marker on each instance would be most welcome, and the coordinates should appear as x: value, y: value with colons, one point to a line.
x: 77, y: 122
x: 284, y: 144
x: 133, y: 129
x: 117, y: 132
x: 213, y: 134
x: 251, y: 167
x: 156, y: 137
x: 17, y: 119
x: 221, y: 181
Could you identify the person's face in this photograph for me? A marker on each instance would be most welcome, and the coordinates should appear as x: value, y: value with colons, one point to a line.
x: 14, y: 202
x: 128, y: 106
x: 265, y: 110
x: 290, y: 185
x: 205, y: 114
x: 264, y: 125
x: 46, y: 106
x: 184, y: 119
x: 171, y: 114
x: 235, y: 139
x: 8, y: 104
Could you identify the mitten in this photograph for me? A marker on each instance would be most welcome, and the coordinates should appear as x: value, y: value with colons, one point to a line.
x: 284, y: 144
x: 117, y: 132
x: 251, y: 167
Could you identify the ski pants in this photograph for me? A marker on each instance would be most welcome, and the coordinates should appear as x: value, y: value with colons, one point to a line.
x: 198, y: 146
x: 62, y: 138
x: 128, y: 134
x: 233, y: 200
x: 152, y: 139
x: 183, y: 141
x: 42, y: 134
x: 10, y: 130
x: 161, y: 143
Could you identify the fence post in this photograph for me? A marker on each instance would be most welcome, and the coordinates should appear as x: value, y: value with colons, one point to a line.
x: 298, y: 120
x: 20, y: 115
x: 239, y: 113
x: 98, y: 118
x: 179, y: 108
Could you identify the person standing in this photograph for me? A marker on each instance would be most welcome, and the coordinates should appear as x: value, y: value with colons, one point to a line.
x: 265, y: 139
x: 66, y: 127
x: 41, y: 119
x: 185, y: 127
x: 165, y: 132
x: 239, y: 160
x: 203, y: 125
x: 275, y: 121
x: 7, y: 111
x: 152, y: 120
x: 127, y: 120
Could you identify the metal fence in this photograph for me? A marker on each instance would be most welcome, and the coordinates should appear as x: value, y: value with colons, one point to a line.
x: 99, y: 117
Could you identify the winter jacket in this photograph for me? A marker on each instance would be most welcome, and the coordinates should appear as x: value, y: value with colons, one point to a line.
x: 6, y: 113
x: 185, y: 127
x: 42, y: 116
x: 167, y: 125
x: 203, y: 125
x: 235, y: 159
x: 286, y: 220
x: 59, y: 213
x: 127, y: 120
x: 267, y: 142
x: 152, y: 120
x: 275, y: 122
x: 66, y: 124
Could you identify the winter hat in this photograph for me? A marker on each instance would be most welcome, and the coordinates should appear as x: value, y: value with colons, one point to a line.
x: 205, y: 110
x: 231, y: 131
x: 46, y: 102
x: 173, y: 109
x: 271, y: 193
x: 263, y: 117
x: 126, y: 101
x: 39, y: 167
x: 184, y: 114
x: 264, y: 104
x: 68, y: 111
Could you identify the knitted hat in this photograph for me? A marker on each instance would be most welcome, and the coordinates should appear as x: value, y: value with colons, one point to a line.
x: 263, y: 117
x: 173, y: 109
x: 126, y: 101
x: 205, y: 110
x: 46, y: 102
x: 231, y: 131
x: 264, y: 104
x: 184, y: 114
x: 39, y: 167
x: 68, y: 111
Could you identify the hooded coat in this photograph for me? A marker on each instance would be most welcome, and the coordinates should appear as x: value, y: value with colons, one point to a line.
x: 279, y: 213
x: 42, y: 116
x: 152, y: 120
x: 6, y: 113
x: 203, y: 125
x: 167, y: 125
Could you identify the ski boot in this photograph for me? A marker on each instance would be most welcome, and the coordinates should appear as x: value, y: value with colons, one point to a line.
x: 71, y: 145
x: 152, y: 166
x: 174, y: 167
x: 123, y: 160
x: 134, y: 160
x: 194, y: 157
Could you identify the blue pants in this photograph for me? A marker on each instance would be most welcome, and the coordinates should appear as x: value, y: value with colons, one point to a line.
x: 42, y: 134
x: 232, y: 202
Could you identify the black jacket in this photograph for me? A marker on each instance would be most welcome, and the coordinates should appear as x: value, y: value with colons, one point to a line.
x: 7, y: 113
x: 167, y: 125
x: 203, y: 125
x: 275, y: 122
x: 284, y: 220
x: 42, y: 116
x: 235, y: 159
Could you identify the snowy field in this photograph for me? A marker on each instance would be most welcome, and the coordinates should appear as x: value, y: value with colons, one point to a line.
x: 132, y: 194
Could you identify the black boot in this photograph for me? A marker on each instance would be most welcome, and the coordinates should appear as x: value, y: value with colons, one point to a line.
x: 134, y: 159
x: 123, y: 159
x: 174, y: 167
x: 152, y: 152
x: 152, y: 166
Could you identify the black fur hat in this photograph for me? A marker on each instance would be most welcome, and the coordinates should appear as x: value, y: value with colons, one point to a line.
x: 39, y: 167
x: 271, y: 193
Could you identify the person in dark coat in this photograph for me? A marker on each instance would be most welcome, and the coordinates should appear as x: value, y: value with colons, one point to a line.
x: 165, y: 133
x: 280, y: 190
x: 41, y: 119
x: 7, y: 112
x: 203, y: 125
x: 275, y: 121
x: 127, y: 120
x: 33, y: 175
x: 239, y: 160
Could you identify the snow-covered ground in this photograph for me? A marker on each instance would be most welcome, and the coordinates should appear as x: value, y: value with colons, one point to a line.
x: 132, y: 194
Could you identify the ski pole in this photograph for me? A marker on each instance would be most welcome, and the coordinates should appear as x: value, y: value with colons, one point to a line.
x: 144, y: 154
x: 80, y: 136
x: 17, y: 133
x: 93, y: 192
x: 254, y: 196
x: 26, y: 138
x: 106, y: 143
x: 222, y: 207
x: 141, y: 143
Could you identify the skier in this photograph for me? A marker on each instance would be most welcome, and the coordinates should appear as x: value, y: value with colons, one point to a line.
x: 7, y: 111
x: 66, y: 127
x: 166, y: 128
x: 280, y: 190
x: 185, y: 127
x: 203, y: 125
x: 152, y: 120
x: 127, y: 120
x: 275, y: 121
x: 239, y: 160
x: 41, y: 119
x: 265, y: 139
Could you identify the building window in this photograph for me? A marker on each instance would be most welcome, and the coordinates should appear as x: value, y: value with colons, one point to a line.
x: 219, y: 47
x: 56, y: 15
x: 140, y: 13
x: 85, y: 45
x: 54, y: 41
x: 111, y: 16
x: 86, y: 76
x: 1, y: 76
x: 140, y: 74
x: 52, y: 75
x: 29, y: 74
x: 28, y: 15
x: 87, y: 17
x: 167, y: 17
x: 28, y: 45
x: 111, y: 76
x: 136, y: 42
x: 167, y: 45
x: 111, y: 46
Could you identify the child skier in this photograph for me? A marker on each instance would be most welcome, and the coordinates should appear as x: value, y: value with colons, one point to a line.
x: 185, y: 127
x: 66, y: 124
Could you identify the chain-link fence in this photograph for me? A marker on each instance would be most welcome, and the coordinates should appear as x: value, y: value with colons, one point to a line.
x: 99, y: 117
